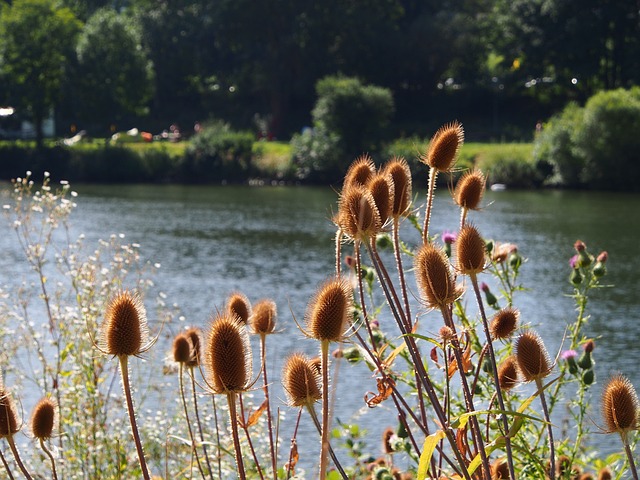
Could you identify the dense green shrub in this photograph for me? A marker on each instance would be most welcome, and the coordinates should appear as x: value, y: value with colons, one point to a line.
x: 514, y: 170
x: 596, y: 146
x: 218, y: 153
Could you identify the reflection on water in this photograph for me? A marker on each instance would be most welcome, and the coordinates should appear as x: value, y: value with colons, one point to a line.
x: 278, y: 243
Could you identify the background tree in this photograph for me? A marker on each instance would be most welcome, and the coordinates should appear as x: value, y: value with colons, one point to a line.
x: 36, y: 42
x: 115, y: 76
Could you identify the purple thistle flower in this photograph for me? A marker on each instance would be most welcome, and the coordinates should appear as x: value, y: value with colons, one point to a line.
x: 448, y: 237
x: 569, y: 354
x: 573, y: 261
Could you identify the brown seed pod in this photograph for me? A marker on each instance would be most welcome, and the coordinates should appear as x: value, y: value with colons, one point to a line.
x: 605, y: 474
x: 470, y: 189
x: 125, y: 330
x: 181, y: 348
x: 444, y: 147
x: 500, y: 469
x: 386, y: 440
x: 398, y: 171
x: 470, y: 251
x: 532, y: 356
x: 301, y: 381
x: 9, y: 421
x: 358, y: 215
x: 194, y: 336
x: 381, y: 188
x: 238, y: 305
x: 228, y: 355
x: 44, y: 419
x: 359, y: 172
x: 508, y: 373
x: 330, y: 310
x: 504, y: 323
x: 434, y: 277
x: 263, y: 317
x: 620, y: 405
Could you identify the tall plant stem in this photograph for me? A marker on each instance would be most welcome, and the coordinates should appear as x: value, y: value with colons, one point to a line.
x: 249, y: 442
x: 54, y: 473
x: 552, y: 455
x: 124, y: 371
x: 338, y: 251
x: 231, y: 399
x: 16, y: 455
x: 632, y: 463
x: 433, y: 174
x: 363, y: 306
x: 194, y: 450
x: 6, y: 465
x: 263, y: 358
x: 324, y: 442
x: 215, y: 416
x: 496, y: 380
x: 314, y: 417
x: 294, y: 444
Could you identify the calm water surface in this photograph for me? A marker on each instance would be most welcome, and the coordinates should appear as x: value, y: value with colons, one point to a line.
x: 277, y: 242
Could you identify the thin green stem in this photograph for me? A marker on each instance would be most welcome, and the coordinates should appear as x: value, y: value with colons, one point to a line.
x: 231, y: 399
x: 124, y: 371
x: 314, y: 416
x: 54, y: 473
x: 263, y: 357
x: 194, y: 451
x: 552, y: 456
x: 215, y: 414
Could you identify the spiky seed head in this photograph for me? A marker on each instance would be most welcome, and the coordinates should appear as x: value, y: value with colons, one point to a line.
x: 238, y: 305
x: 508, y: 373
x: 386, y: 440
x: 263, y: 317
x: 434, y: 277
x: 446, y: 334
x: 470, y: 251
x: 381, y: 189
x: 301, y: 381
x: 9, y: 422
x: 620, y: 405
x: 504, y: 323
x: 500, y: 469
x: 605, y: 474
x: 330, y: 309
x: 181, y: 348
x: 358, y: 215
x: 228, y: 355
x: 444, y: 147
x: 359, y: 172
x: 398, y: 171
x: 44, y: 419
x: 125, y: 330
x: 532, y: 356
x: 470, y: 189
x: 316, y: 362
x: 194, y: 335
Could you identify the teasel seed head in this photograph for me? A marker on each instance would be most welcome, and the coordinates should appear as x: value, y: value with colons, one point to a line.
x: 470, y: 251
x: 508, y: 373
x: 532, y: 356
x: 386, y: 440
x: 358, y: 215
x: 301, y: 381
x: 228, y: 355
x: 470, y: 189
x: 434, y: 277
x: 125, y: 330
x: 263, y: 317
x: 398, y: 171
x: 44, y: 419
x: 500, y: 469
x: 181, y: 348
x: 444, y: 147
x: 381, y: 188
x: 330, y: 310
x: 316, y: 362
x: 238, y: 305
x: 605, y: 474
x: 620, y: 405
x: 504, y: 323
x: 195, y: 342
x: 359, y: 172
x: 9, y: 421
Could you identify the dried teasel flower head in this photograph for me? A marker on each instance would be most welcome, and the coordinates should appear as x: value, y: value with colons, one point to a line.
x: 386, y: 440
x: 125, y: 330
x: 444, y: 147
x: 470, y: 251
x: 238, y: 305
x: 44, y: 418
x: 381, y: 188
x: 359, y: 172
x: 9, y: 421
x: 316, y: 362
x: 301, y: 381
x: 470, y: 189
x: 508, y: 373
x: 504, y: 323
x: 195, y: 341
x: 181, y: 348
x: 398, y: 171
x: 263, y: 317
x: 500, y: 469
x: 605, y: 474
x: 620, y: 405
x: 330, y: 310
x: 501, y: 251
x: 434, y: 277
x: 532, y: 356
x: 228, y: 355
x: 358, y: 215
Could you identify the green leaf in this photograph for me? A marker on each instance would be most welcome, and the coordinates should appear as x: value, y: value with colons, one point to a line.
x: 427, y: 451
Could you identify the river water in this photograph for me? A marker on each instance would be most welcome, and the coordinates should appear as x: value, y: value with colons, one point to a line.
x: 277, y: 242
